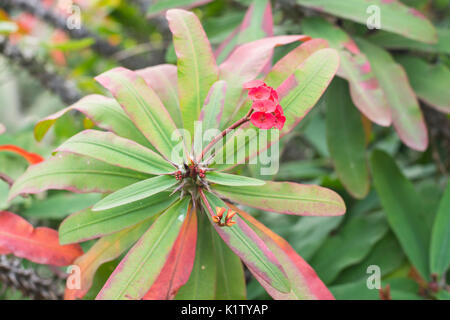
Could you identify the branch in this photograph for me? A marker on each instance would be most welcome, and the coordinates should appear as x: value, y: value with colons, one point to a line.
x: 65, y: 89
x: 27, y: 281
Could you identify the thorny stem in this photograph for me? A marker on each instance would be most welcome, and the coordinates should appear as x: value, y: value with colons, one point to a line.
x: 224, y: 133
x: 208, y: 206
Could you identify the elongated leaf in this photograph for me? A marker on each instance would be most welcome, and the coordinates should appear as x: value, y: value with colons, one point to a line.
x: 287, y: 65
x: 178, y: 266
x: 106, y: 249
x: 197, y: 70
x: 202, y: 281
x: 403, y: 208
x: 227, y: 179
x: 393, y: 15
x: 230, y: 272
x: 389, y: 40
x: 257, y: 24
x: 249, y: 247
x: 39, y: 245
x: 104, y: 112
x: 356, y: 68
x: 212, y: 110
x: 32, y: 158
x: 406, y: 114
x: 163, y: 80
x: 135, y: 192
x: 305, y: 284
x: 117, y: 151
x: 287, y: 197
x: 139, y: 269
x: 245, y: 64
x: 156, y: 7
x: 430, y: 82
x: 87, y: 224
x: 342, y: 251
x: 298, y: 94
x: 142, y: 106
x: 440, y: 238
x: 346, y: 139
x: 76, y: 174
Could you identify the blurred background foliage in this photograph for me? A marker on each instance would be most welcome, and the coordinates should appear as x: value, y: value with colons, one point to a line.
x: 393, y: 179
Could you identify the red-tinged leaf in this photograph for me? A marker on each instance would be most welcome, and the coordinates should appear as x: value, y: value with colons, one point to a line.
x: 245, y: 64
x: 366, y: 93
x: 106, y: 249
x: 197, y: 69
x: 178, y: 267
x: 105, y: 112
x: 76, y: 174
x: 394, y: 16
x: 137, y: 272
x: 298, y: 95
x: 287, y: 198
x: 287, y: 65
x: 257, y: 24
x: 407, y: 117
x: 305, y: 283
x: 32, y: 158
x: 143, y: 107
x: 248, y: 246
x: 39, y: 245
x: 163, y: 80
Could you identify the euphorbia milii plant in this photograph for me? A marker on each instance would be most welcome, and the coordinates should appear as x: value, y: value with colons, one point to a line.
x: 182, y: 219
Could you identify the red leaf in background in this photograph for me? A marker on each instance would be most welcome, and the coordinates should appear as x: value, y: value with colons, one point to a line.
x: 40, y: 245
x: 178, y: 267
x: 32, y: 158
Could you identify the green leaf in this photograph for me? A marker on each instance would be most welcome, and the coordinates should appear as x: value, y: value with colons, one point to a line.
x: 104, y: 112
x: 386, y: 254
x: 59, y: 206
x: 143, y: 107
x: 227, y: 179
x: 87, y: 224
x: 212, y: 110
x: 72, y: 45
x: 365, y: 90
x: 393, y: 41
x: 302, y: 169
x: 139, y: 269
x: 430, y: 82
x: 286, y: 197
x: 230, y: 276
x: 394, y: 16
x: 135, y: 192
x: 163, y: 80
x: 76, y: 174
x: 202, y: 282
x: 403, y: 208
x: 406, y: 114
x: 349, y: 246
x: 440, y: 237
x: 249, y: 247
x: 156, y: 7
x: 117, y: 151
x: 197, y: 69
x: 346, y: 140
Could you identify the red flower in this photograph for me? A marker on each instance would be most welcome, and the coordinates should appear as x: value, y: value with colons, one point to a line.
x: 263, y: 120
x: 269, y: 114
x: 264, y: 105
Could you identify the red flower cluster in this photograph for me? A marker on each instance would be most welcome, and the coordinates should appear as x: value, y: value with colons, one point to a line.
x: 268, y: 113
